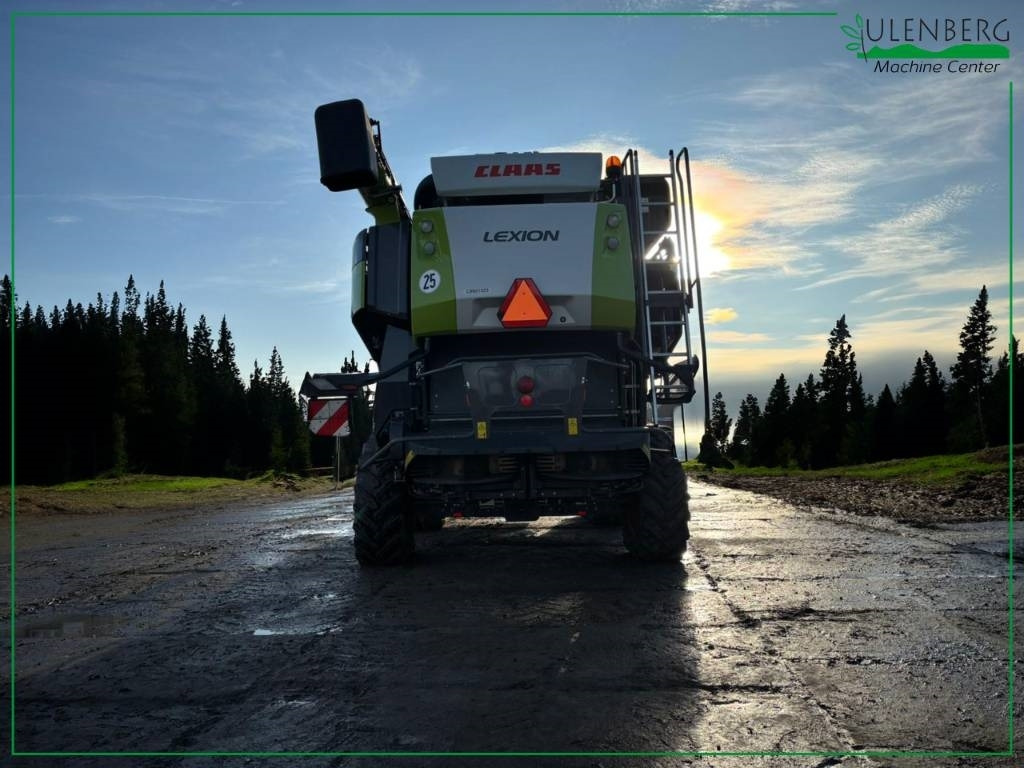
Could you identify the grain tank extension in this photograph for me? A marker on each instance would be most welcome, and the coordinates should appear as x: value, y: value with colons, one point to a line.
x: 529, y: 318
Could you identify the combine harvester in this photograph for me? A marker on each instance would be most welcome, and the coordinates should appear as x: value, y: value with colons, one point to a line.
x: 530, y: 323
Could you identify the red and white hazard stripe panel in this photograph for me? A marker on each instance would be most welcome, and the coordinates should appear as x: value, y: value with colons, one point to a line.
x: 328, y: 418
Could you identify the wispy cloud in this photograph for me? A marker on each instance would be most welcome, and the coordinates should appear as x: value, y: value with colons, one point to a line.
x: 782, y: 185
x: 64, y: 219
x: 262, y: 101
x: 737, y: 337
x: 171, y: 204
x: 940, y: 281
x: 919, y: 238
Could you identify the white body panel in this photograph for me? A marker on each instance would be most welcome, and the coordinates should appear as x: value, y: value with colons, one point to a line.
x: 493, y: 245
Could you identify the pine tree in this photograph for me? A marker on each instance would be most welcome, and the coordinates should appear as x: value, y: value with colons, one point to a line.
x: 885, y: 432
x: 771, y: 444
x: 934, y: 437
x: 207, y: 447
x: 131, y: 299
x: 997, y: 399
x: 289, y: 422
x: 721, y: 424
x: 838, y: 383
x: 8, y: 303
x: 8, y: 321
x: 132, y: 409
x: 716, y: 436
x: 259, y: 420
x: 803, y: 419
x: 973, y: 368
x: 747, y: 423
x: 913, y: 413
x: 226, y: 366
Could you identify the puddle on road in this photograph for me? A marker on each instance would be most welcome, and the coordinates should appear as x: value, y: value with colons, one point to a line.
x: 68, y: 627
x: 341, y: 531
x: 312, y: 629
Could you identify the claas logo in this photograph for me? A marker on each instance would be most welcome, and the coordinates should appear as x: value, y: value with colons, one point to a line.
x: 518, y: 169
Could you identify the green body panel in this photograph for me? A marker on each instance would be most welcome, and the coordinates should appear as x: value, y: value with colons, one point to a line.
x: 432, y: 313
x: 387, y: 213
x: 613, y: 293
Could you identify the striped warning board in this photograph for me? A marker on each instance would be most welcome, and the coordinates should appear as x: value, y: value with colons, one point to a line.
x: 328, y: 418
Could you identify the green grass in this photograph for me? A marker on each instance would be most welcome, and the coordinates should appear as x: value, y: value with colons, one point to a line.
x: 141, y: 492
x: 925, y: 470
x: 132, y: 483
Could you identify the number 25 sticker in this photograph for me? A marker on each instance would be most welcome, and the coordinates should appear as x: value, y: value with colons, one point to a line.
x: 430, y: 281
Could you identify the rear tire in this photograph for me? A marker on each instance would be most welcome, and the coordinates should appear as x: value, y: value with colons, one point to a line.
x: 381, y: 521
x: 656, y: 526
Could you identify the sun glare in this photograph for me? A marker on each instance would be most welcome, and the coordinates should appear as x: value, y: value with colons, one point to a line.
x: 712, y: 260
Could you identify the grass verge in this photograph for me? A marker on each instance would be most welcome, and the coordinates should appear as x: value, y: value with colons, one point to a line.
x: 140, y: 492
x: 943, y: 470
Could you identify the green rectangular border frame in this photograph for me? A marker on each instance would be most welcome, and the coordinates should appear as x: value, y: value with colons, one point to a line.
x: 670, y: 754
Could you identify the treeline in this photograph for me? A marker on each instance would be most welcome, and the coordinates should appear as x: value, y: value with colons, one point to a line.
x: 126, y: 385
x: 829, y: 420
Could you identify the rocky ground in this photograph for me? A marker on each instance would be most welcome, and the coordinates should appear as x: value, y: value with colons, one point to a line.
x: 977, y: 497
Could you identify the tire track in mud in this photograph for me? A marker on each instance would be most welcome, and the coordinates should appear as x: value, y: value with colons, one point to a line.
x: 751, y: 623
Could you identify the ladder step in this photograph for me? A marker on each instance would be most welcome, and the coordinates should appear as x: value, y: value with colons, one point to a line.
x: 667, y: 300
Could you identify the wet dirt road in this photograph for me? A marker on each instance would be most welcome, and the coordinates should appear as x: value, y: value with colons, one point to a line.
x: 253, y: 630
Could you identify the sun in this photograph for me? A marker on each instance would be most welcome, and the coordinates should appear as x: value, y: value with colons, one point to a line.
x: 712, y: 260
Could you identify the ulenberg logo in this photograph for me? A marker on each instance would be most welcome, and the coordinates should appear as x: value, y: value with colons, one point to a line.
x: 917, y: 38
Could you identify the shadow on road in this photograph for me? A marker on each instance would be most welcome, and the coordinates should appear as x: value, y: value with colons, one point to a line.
x: 541, y: 637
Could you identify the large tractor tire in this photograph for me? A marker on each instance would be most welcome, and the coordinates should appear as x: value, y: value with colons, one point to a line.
x: 656, y: 526
x: 381, y: 520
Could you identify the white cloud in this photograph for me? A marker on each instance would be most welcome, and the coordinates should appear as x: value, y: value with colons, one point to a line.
x: 719, y: 315
x: 64, y: 219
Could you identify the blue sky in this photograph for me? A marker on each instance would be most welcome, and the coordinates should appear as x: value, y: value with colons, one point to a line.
x: 183, y: 149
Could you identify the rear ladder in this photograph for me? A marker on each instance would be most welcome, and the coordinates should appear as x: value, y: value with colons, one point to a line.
x: 669, y: 281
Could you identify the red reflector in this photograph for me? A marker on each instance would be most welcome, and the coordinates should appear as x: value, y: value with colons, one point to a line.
x: 525, y: 385
x: 526, y: 401
x: 524, y: 306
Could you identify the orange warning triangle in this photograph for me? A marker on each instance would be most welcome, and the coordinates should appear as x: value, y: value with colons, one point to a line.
x: 524, y: 306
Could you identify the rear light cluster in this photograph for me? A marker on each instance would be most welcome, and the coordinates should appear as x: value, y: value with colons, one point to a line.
x: 519, y: 384
x: 525, y: 386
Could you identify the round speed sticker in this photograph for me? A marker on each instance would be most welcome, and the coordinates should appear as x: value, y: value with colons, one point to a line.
x: 430, y: 281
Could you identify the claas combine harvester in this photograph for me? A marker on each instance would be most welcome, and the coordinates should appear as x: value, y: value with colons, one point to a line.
x: 529, y: 319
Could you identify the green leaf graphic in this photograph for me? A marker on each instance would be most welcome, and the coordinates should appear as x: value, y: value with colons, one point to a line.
x: 853, y: 46
x: 850, y: 31
x: 860, y: 22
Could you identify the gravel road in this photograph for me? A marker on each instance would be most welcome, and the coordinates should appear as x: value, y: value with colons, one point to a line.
x: 784, y: 629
